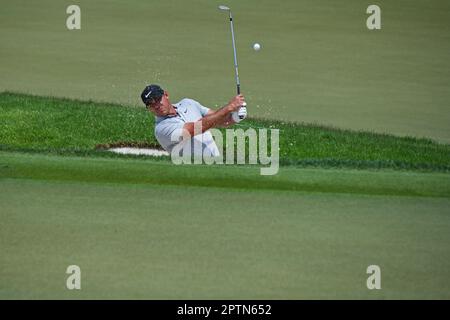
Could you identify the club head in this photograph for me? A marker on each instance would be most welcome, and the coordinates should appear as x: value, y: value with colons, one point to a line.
x: 224, y: 8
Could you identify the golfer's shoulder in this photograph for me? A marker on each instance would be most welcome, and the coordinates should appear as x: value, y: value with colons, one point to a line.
x: 167, y: 123
x: 188, y: 102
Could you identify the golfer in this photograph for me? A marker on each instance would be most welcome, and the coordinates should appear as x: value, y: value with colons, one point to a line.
x: 173, y: 119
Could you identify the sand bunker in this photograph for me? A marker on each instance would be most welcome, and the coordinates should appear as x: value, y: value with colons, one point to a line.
x: 140, y: 151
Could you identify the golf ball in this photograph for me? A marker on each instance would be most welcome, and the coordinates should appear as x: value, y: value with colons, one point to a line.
x: 256, y: 46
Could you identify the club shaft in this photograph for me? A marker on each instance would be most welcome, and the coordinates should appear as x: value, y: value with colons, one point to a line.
x: 238, y: 84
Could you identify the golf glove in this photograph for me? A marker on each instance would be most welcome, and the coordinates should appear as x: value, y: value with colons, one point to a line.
x: 241, y: 114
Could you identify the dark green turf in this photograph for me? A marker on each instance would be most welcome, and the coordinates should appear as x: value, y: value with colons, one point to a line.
x: 82, y: 169
x: 30, y: 123
x: 318, y: 63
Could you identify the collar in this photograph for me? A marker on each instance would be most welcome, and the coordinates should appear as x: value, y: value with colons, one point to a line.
x: 177, y: 114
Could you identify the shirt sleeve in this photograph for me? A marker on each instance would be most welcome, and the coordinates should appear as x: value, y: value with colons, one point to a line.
x: 203, y: 110
x: 169, y: 133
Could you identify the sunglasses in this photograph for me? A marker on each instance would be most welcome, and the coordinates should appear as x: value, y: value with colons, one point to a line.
x: 153, y: 101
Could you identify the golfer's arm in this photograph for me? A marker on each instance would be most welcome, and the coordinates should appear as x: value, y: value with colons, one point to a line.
x: 226, y: 122
x: 213, y: 119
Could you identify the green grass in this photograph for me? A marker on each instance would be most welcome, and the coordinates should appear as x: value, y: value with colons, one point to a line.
x: 44, y: 124
x: 147, y: 229
x: 151, y: 230
x: 129, y: 171
x: 318, y: 63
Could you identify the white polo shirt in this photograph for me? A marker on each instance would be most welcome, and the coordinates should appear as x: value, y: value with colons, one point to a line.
x: 188, y: 110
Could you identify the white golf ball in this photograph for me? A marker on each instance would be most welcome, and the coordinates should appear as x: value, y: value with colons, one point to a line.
x: 256, y: 46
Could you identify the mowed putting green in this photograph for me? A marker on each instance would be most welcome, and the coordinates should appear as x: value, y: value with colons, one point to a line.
x: 150, y: 236
x: 318, y: 63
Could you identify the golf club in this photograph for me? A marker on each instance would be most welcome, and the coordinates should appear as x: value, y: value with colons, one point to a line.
x: 238, y: 84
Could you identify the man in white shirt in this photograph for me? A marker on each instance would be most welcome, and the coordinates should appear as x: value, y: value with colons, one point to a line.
x: 173, y: 119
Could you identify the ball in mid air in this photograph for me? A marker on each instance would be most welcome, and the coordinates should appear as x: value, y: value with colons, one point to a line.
x: 256, y: 46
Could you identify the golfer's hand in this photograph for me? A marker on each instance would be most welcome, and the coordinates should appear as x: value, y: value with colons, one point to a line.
x: 236, y: 103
